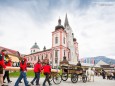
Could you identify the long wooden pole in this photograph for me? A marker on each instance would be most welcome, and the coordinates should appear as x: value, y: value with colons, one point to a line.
x: 28, y: 69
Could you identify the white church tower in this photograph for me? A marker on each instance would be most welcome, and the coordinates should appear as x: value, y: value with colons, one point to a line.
x: 71, y: 42
x: 35, y: 48
x: 59, y: 44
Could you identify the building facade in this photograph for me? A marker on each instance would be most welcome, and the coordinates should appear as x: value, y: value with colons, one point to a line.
x: 63, y: 44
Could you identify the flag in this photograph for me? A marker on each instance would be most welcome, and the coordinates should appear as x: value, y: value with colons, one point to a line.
x: 84, y: 60
x: 92, y: 61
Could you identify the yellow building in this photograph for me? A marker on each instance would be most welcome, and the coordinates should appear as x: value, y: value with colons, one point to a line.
x: 12, y: 53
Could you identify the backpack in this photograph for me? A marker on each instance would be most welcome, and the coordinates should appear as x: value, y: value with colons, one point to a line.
x: 1, y: 57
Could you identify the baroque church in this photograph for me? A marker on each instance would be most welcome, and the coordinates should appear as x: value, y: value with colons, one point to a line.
x: 63, y: 45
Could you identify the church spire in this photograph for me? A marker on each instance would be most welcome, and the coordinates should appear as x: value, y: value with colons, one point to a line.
x: 66, y: 21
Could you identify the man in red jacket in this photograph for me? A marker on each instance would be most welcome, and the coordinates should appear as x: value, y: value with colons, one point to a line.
x: 8, y: 62
x: 2, y: 66
x: 47, y: 71
x: 37, y: 70
x: 23, y: 69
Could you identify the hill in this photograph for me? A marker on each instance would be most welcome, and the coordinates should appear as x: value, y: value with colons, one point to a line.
x: 103, y: 58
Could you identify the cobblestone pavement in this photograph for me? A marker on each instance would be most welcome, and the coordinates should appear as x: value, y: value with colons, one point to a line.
x: 98, y: 82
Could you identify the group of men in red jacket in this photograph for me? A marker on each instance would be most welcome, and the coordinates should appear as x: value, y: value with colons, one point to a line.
x: 38, y: 67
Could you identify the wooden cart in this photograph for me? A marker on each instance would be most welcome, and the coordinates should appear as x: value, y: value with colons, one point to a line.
x: 72, y: 72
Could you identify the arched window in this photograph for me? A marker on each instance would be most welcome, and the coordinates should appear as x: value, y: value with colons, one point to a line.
x: 64, y: 40
x: 56, y: 40
x: 56, y: 53
x: 31, y: 58
x: 38, y: 57
x: 33, y: 51
x: 42, y: 57
x: 64, y: 52
x: 28, y: 58
x: 35, y: 58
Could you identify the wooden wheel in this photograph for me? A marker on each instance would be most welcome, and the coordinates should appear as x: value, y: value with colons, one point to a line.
x: 57, y: 78
x: 64, y: 76
x: 74, y: 78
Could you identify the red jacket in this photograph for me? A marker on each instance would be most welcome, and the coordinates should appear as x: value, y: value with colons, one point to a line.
x: 47, y: 68
x: 9, y: 63
x: 23, y: 66
x: 37, y: 67
x: 2, y: 61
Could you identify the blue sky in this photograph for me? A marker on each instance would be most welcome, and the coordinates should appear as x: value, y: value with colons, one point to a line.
x: 24, y: 22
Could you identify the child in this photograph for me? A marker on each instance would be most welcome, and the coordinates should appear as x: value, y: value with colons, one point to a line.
x: 37, y: 70
x: 23, y: 69
x: 47, y: 71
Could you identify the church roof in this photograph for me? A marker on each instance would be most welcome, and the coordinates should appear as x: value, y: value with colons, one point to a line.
x: 101, y: 63
x: 35, y: 46
x: 10, y: 51
x: 59, y: 26
x: 66, y: 23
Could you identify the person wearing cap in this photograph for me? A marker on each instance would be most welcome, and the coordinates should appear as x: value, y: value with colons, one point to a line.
x: 47, y: 71
x: 8, y: 62
x: 23, y: 69
x: 2, y: 65
x: 37, y: 70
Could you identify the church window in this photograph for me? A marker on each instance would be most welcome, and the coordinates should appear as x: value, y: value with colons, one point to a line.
x: 50, y: 55
x: 56, y: 53
x: 31, y: 58
x: 64, y: 40
x: 28, y: 58
x: 42, y: 57
x: 38, y: 57
x: 56, y: 56
x: 33, y: 51
x: 64, y: 52
x: 34, y: 58
x: 56, y: 40
x: 56, y: 60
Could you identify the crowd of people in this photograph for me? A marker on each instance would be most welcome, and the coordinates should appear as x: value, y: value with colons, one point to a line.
x: 108, y: 75
x: 5, y: 60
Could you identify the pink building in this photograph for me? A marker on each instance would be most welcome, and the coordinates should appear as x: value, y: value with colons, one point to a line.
x: 63, y: 44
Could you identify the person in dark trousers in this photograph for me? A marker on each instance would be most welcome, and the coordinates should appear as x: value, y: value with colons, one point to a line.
x: 7, y: 63
x: 47, y: 71
x: 2, y: 65
x: 23, y: 69
x: 103, y: 73
x: 37, y: 70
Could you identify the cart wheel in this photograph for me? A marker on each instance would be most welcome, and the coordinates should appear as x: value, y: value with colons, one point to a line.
x: 50, y: 78
x: 74, y: 78
x: 64, y: 76
x: 84, y: 78
x: 57, y: 79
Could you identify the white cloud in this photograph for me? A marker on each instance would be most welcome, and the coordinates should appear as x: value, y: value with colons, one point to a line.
x: 95, y: 31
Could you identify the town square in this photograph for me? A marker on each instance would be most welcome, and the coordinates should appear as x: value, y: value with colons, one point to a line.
x: 57, y: 43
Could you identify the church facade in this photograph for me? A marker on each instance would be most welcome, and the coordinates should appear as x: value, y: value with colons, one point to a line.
x: 63, y: 44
